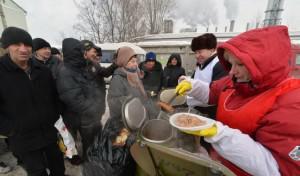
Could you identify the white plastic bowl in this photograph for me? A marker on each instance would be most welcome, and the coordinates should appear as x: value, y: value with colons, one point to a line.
x: 209, y: 122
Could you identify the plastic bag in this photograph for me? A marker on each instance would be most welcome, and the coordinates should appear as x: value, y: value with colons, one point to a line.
x: 105, y: 157
x: 67, y: 138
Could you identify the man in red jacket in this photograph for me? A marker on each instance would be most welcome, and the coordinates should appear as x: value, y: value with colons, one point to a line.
x: 257, y: 131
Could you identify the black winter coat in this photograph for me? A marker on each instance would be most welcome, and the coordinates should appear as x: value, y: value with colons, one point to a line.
x: 152, y: 79
x: 81, y: 88
x: 53, y: 63
x: 172, y: 72
x: 171, y: 75
x: 28, y: 106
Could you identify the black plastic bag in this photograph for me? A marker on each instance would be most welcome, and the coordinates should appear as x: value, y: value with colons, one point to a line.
x: 105, y: 159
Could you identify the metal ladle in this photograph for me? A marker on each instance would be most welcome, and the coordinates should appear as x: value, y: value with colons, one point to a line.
x: 167, y: 106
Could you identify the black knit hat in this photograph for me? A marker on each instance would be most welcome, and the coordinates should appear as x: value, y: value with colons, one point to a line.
x: 39, y: 43
x: 14, y: 35
x: 205, y: 41
x: 54, y: 51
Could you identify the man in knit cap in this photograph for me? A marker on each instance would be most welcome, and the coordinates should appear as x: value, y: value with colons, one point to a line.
x: 42, y: 53
x: 28, y: 106
x: 152, y: 74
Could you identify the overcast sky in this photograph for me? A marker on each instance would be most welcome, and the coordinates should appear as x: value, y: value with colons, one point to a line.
x: 54, y: 19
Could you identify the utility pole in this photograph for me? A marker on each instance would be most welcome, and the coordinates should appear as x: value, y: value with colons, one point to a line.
x: 273, y: 12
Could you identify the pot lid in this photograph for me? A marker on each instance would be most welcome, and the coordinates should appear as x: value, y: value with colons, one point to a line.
x: 167, y: 94
x: 133, y: 113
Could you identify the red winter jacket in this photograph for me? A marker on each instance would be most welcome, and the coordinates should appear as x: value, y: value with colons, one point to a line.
x: 265, y: 53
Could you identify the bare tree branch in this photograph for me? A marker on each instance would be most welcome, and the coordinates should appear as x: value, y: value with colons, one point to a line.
x: 120, y: 20
x: 156, y: 11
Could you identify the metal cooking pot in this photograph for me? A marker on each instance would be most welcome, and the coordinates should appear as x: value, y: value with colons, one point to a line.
x: 157, y: 131
x: 136, y: 120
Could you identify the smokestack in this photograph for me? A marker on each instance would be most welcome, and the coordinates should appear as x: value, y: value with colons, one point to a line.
x: 231, y: 26
x: 216, y: 29
x: 207, y: 28
x: 247, y: 26
x: 168, y: 26
x: 225, y: 28
x: 273, y: 12
x: 257, y: 25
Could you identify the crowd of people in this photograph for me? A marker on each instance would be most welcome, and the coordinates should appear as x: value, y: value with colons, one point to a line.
x: 39, y: 84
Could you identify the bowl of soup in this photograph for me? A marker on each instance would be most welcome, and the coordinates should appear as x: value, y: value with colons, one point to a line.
x: 190, y: 122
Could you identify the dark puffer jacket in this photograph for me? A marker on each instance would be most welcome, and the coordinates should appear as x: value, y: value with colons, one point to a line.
x: 82, y: 92
x: 172, y: 72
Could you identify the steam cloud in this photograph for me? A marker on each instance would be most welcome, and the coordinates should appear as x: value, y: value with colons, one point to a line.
x: 197, y: 12
x: 232, y: 8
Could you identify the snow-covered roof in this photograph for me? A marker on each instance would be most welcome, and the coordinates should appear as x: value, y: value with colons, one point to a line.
x: 187, y: 36
x: 115, y: 46
x: 162, y: 43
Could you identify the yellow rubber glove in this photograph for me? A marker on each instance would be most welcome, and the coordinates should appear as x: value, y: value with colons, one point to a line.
x: 183, y: 87
x: 209, y: 132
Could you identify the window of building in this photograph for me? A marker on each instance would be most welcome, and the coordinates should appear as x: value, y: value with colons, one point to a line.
x: 298, y: 59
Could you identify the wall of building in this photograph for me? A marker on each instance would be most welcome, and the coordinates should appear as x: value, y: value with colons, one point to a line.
x: 13, y: 15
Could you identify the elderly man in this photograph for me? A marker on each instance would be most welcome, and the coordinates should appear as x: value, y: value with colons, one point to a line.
x: 28, y: 106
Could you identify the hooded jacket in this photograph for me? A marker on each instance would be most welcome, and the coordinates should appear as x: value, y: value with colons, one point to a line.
x: 171, y: 72
x: 82, y: 92
x: 265, y: 53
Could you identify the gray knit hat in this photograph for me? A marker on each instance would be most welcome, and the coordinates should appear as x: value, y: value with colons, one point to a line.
x: 124, y: 54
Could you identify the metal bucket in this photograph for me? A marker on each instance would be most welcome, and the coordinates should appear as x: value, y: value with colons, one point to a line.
x: 157, y: 131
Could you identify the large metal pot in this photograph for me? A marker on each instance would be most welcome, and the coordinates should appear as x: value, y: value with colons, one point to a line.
x: 157, y: 131
x: 156, y: 159
x: 135, y: 119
